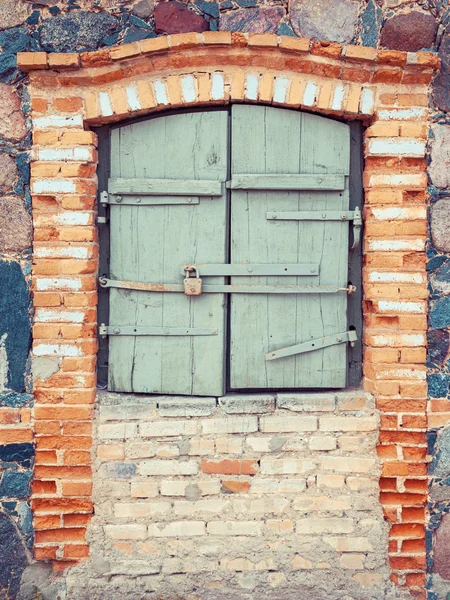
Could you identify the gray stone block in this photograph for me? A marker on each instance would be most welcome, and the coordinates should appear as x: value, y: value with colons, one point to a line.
x: 186, y: 406
x: 238, y: 404
x: 439, y: 169
x: 307, y: 402
x: 440, y: 218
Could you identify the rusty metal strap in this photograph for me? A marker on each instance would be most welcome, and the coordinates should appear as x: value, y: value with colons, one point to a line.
x: 226, y: 289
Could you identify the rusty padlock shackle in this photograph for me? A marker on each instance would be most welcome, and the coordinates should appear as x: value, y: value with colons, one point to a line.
x: 191, y: 269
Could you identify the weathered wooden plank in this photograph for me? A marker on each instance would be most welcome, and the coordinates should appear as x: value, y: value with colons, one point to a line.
x: 270, y: 141
x: 164, y: 187
x: 291, y: 181
x: 149, y: 243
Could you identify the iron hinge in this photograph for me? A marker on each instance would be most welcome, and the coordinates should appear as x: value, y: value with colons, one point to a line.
x: 316, y: 344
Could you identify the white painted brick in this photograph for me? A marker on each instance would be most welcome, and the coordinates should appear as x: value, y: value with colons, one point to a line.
x: 72, y: 218
x: 168, y: 467
x: 210, y: 487
x: 167, y: 428
x: 310, y: 94
x: 53, y: 121
x: 338, y: 97
x: 135, y: 510
x: 401, y: 373
x: 287, y: 424
x: 277, y: 486
x: 322, y: 503
x: 412, y: 180
x: 349, y: 544
x: 133, y: 98
x: 396, y: 277
x: 177, y: 529
x: 402, y: 114
x: 330, y: 525
x: 53, y: 186
x: 395, y: 147
x: 367, y: 102
x: 105, y: 104
x: 49, y: 315
x: 235, y: 528
x: 160, y: 90
x: 82, y: 154
x: 400, y: 340
x: 144, y: 488
x: 396, y: 245
x: 126, y: 532
x: 348, y: 464
x: 184, y: 507
x: 270, y: 466
x: 57, y: 350
x: 322, y: 442
x: 46, y: 284
x: 79, y: 252
x: 398, y: 213
x: 251, y: 87
x: 230, y: 425
x: 348, y: 423
x: 281, y: 90
x: 401, y: 306
x: 188, y: 88
x: 217, y: 86
x: 167, y: 450
x: 307, y: 402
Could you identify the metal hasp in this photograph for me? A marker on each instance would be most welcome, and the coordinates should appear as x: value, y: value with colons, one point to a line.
x: 105, y: 330
x: 323, y: 215
x: 226, y: 289
x: 317, y: 344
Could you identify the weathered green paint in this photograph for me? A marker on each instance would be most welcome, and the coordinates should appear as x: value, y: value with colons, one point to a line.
x: 150, y: 243
x: 290, y: 152
x: 273, y: 141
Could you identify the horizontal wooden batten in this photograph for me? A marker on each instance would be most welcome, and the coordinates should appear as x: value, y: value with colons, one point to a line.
x: 287, y: 182
x: 165, y: 187
x: 105, y: 330
x: 225, y: 270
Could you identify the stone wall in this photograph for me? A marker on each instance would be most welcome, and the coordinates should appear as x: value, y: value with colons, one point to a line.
x: 241, y: 496
x: 71, y: 26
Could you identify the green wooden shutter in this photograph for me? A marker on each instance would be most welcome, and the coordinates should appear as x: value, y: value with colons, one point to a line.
x: 152, y: 236
x: 272, y: 141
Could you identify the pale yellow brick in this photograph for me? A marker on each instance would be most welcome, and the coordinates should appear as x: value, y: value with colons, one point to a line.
x: 352, y: 561
x: 331, y: 481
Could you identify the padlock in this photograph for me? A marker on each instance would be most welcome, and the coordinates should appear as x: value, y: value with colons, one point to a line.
x: 192, y: 285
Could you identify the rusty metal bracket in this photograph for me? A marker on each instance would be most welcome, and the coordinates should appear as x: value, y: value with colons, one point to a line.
x: 316, y: 344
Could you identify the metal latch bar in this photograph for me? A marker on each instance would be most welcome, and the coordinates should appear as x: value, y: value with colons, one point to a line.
x: 316, y: 344
x: 226, y: 289
x: 117, y: 200
x: 315, y: 215
x: 250, y: 270
x: 306, y: 181
x: 323, y: 215
x: 105, y: 330
x: 165, y: 187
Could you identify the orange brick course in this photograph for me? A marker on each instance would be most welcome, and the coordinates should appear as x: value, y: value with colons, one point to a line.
x: 386, y: 90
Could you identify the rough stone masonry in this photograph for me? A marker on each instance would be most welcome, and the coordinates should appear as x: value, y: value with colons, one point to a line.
x: 67, y: 27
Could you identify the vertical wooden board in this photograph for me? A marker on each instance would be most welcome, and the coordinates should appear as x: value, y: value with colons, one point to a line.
x: 275, y: 141
x: 153, y: 243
